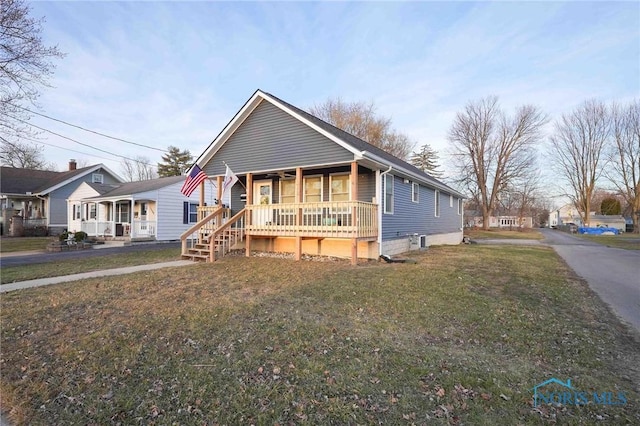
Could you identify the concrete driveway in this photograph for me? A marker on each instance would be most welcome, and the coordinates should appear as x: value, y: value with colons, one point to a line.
x: 614, y: 274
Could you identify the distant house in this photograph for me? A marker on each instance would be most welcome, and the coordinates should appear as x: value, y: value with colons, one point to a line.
x: 502, y: 221
x: 37, y: 199
x: 608, y: 221
x: 306, y: 186
x: 150, y: 210
x: 569, y: 214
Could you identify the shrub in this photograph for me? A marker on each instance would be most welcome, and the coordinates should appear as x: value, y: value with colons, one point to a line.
x: 80, y: 236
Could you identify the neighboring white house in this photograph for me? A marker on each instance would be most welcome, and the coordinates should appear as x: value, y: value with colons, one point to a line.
x: 503, y: 221
x: 569, y: 214
x: 137, y: 211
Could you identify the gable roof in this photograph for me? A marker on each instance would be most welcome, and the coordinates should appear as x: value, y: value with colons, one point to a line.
x: 360, y: 148
x: 130, y: 188
x: 41, y: 182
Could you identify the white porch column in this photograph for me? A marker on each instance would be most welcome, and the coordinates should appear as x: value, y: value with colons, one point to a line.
x: 113, y: 218
x: 131, y: 225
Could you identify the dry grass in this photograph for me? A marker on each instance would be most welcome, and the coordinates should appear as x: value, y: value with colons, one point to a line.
x: 624, y: 241
x: 460, y: 337
x: 525, y: 233
x: 11, y: 245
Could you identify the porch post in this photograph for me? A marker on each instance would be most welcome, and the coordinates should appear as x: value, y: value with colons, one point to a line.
x: 113, y: 219
x: 219, y: 190
x: 298, y: 249
x: 247, y: 216
x: 202, y: 194
x: 131, y: 227
x: 354, y: 212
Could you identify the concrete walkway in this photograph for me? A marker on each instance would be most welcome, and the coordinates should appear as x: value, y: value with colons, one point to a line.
x: 94, y: 274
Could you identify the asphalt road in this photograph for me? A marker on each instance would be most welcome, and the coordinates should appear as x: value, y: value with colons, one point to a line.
x: 46, y: 257
x: 613, y: 273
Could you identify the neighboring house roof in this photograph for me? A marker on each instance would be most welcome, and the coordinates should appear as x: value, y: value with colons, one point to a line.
x: 348, y: 141
x: 606, y: 218
x: 131, y: 188
x: 41, y: 182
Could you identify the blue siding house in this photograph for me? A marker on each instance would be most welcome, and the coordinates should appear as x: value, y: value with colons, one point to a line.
x: 307, y: 187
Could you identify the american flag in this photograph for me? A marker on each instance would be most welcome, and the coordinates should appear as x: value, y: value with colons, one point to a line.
x: 194, y: 179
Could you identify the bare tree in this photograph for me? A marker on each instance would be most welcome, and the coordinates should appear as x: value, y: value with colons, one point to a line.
x: 140, y: 168
x: 493, y: 151
x: 23, y: 155
x: 579, y: 143
x: 426, y: 159
x: 624, y: 171
x: 25, y: 66
x: 360, y: 119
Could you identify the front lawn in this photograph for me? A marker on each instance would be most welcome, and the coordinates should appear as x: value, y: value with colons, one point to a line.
x: 87, y: 264
x: 624, y: 241
x: 460, y: 337
x: 526, y: 233
x: 13, y: 244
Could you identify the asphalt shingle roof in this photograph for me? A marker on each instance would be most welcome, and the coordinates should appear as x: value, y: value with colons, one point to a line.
x: 130, y: 188
x: 21, y: 181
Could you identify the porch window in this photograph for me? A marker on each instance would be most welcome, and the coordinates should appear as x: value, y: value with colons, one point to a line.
x: 122, y: 212
x: 287, y: 191
x: 313, y: 189
x: 388, y: 194
x: 143, y: 211
x: 340, y: 187
x: 76, y: 211
x: 415, y: 192
x: 92, y: 211
x: 437, y: 197
x: 97, y: 178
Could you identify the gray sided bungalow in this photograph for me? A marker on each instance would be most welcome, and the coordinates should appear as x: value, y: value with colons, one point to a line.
x: 306, y: 186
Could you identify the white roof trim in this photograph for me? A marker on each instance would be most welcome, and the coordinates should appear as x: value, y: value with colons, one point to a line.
x: 78, y: 176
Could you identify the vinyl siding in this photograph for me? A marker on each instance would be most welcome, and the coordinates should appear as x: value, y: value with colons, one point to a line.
x: 58, y: 199
x: 270, y: 139
x: 169, y: 209
x: 410, y: 218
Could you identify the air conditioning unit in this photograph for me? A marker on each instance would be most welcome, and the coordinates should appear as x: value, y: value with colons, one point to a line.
x: 423, y: 241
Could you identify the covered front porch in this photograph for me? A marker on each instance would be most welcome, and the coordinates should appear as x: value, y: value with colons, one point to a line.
x: 125, y: 219
x: 327, y: 211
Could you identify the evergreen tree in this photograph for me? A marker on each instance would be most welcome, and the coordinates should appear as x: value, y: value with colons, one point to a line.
x: 175, y: 162
x: 426, y: 159
x: 611, y: 206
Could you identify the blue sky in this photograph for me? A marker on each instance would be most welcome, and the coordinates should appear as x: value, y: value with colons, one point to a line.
x: 174, y: 73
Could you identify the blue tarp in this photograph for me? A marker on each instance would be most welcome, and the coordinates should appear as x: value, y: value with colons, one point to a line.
x: 597, y: 231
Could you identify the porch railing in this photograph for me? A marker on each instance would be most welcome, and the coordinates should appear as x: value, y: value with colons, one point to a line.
x: 332, y: 219
x: 210, y: 219
x: 144, y: 228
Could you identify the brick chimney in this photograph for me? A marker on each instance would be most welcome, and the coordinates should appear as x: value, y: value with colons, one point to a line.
x: 72, y: 164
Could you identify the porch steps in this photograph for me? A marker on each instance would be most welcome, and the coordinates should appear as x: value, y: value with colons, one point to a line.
x: 200, y: 251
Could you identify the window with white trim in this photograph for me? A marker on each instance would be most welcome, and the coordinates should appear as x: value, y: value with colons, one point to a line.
x: 388, y: 194
x: 339, y: 187
x: 97, y: 178
x: 437, y: 198
x: 76, y: 211
x: 459, y: 206
x: 312, y: 189
x: 415, y: 192
x: 450, y: 200
x: 287, y: 191
x: 193, y: 212
x: 92, y: 211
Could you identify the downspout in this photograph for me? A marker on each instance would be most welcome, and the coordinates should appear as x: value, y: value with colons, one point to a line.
x: 380, y: 194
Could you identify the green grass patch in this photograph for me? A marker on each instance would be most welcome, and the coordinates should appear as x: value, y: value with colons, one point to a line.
x: 525, y: 233
x: 14, y: 244
x: 86, y: 264
x: 623, y: 241
x: 460, y: 337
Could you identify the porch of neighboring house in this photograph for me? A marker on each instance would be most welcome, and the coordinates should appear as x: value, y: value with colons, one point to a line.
x: 123, y: 220
x: 23, y: 216
x: 291, y: 211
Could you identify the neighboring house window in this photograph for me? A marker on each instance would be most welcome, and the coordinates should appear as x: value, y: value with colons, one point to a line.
x: 459, y: 206
x: 437, y: 212
x: 415, y: 192
x: 287, y: 191
x: 97, y: 178
x: 340, y: 188
x: 189, y: 212
x: 76, y: 211
x: 313, y: 189
x: 450, y: 200
x: 143, y: 211
x: 92, y: 211
x: 388, y: 194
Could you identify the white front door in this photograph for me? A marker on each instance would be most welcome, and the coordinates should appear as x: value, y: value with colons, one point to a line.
x: 262, y: 195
